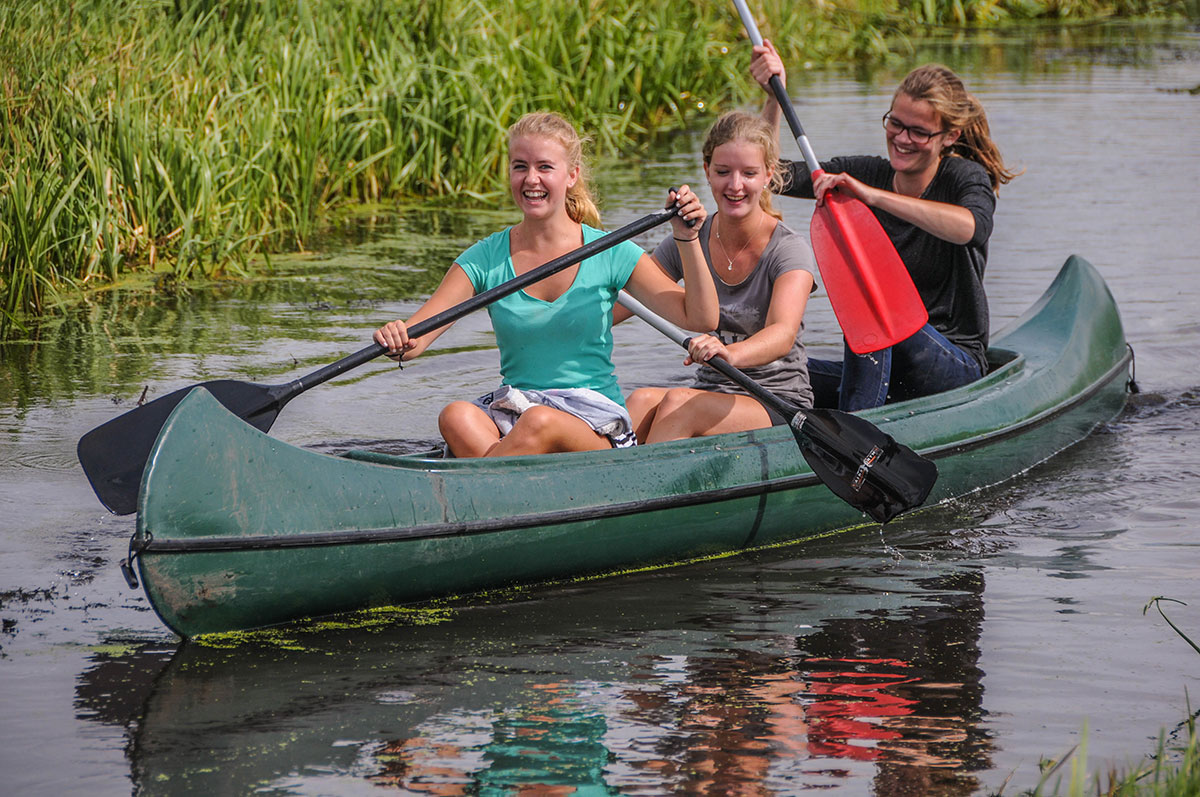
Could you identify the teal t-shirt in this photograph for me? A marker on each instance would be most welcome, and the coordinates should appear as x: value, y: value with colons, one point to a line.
x: 561, y: 344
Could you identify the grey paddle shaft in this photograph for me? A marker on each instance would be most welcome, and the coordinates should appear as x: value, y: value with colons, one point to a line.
x: 782, y: 406
x: 785, y: 103
x: 661, y: 324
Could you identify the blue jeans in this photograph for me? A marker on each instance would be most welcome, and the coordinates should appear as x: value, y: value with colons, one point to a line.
x: 922, y: 364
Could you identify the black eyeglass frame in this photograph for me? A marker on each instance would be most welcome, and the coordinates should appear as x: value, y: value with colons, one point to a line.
x: 915, y: 134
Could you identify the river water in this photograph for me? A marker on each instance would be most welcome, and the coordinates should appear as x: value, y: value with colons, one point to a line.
x: 947, y: 655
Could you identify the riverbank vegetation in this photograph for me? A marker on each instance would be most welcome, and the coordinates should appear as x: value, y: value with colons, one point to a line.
x: 1173, y: 770
x: 178, y: 138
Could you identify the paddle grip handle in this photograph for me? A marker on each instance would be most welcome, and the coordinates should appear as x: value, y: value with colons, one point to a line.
x: 479, y: 300
x: 781, y: 96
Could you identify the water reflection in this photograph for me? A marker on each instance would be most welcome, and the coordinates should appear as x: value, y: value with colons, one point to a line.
x: 752, y: 679
x: 121, y: 342
x: 849, y: 670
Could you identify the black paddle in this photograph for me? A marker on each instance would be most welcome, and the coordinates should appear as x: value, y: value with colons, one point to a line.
x: 860, y: 463
x: 114, y: 454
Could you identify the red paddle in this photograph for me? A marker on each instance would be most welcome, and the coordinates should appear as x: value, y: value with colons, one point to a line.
x: 871, y: 291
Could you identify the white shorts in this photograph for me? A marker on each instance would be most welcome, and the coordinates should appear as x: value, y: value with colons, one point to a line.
x: 606, y: 417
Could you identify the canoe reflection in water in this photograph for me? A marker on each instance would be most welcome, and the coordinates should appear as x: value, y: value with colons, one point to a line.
x: 715, y: 680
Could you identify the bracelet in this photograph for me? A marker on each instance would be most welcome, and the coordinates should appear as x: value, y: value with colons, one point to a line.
x: 686, y: 240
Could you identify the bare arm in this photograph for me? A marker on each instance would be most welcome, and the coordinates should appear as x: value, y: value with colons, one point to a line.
x: 693, y: 306
x: 763, y: 64
x: 949, y: 222
x: 789, y: 297
x: 952, y: 223
x: 455, y: 288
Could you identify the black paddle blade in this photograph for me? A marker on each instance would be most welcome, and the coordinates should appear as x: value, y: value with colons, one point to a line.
x: 863, y: 465
x: 114, y: 454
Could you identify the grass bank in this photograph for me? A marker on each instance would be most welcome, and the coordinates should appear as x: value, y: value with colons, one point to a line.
x: 180, y: 137
x: 1173, y: 770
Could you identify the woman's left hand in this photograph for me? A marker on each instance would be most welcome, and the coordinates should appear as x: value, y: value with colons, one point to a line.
x: 690, y: 213
x: 703, y: 348
x: 842, y: 182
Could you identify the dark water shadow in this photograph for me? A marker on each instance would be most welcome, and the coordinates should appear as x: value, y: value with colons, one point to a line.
x: 712, y: 678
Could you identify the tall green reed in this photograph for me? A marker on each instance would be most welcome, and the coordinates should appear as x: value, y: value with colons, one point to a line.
x: 180, y: 137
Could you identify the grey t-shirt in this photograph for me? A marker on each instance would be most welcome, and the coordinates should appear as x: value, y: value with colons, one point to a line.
x: 744, y: 311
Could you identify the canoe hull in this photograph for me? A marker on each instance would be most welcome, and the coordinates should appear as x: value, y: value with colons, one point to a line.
x: 238, y: 530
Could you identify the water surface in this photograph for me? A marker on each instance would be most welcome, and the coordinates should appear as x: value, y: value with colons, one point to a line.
x: 946, y: 655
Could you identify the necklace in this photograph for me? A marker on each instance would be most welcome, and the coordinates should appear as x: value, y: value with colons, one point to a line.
x: 743, y: 249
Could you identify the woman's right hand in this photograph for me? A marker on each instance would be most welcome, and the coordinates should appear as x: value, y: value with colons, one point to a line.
x: 394, y: 337
x: 840, y: 181
x: 690, y: 215
x: 765, y: 63
x: 702, y: 348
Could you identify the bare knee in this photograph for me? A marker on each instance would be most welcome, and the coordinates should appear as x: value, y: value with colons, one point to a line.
x: 642, y: 401
x: 675, y: 399
x: 545, y: 430
x: 456, y: 415
x: 539, y: 423
x: 675, y: 419
x: 642, y: 405
x: 467, y: 429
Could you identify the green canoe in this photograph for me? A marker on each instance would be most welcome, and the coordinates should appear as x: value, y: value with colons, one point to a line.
x: 239, y: 530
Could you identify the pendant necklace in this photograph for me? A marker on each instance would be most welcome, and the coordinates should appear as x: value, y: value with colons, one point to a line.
x: 743, y: 249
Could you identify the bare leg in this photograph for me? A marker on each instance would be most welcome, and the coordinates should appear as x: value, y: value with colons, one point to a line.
x: 685, y: 412
x: 643, y: 405
x: 468, y: 430
x: 545, y: 430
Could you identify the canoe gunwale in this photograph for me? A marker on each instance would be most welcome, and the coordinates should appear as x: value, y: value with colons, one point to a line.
x: 591, y: 513
x: 260, y: 542
x: 1033, y: 421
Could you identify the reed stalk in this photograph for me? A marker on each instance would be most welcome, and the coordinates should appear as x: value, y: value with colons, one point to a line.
x: 180, y: 137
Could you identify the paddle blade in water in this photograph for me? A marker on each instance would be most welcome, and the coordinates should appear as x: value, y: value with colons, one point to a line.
x: 863, y: 465
x: 871, y: 291
x: 114, y: 454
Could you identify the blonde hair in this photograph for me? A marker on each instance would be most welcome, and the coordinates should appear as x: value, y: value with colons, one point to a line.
x: 546, y: 124
x: 959, y: 110
x: 740, y: 126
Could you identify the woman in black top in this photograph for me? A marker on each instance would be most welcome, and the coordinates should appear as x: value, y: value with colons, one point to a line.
x: 934, y: 196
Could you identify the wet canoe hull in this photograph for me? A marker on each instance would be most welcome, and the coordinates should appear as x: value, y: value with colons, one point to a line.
x: 239, y: 530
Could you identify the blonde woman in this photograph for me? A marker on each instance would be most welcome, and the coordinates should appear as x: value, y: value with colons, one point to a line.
x: 558, y: 390
x: 763, y: 273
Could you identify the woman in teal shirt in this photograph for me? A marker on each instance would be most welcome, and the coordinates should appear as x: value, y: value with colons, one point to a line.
x: 559, y: 390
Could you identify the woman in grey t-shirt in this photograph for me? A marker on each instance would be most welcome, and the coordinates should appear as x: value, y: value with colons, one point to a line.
x: 764, y: 273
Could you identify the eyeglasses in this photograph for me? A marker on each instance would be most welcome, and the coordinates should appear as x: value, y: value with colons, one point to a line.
x: 915, y: 134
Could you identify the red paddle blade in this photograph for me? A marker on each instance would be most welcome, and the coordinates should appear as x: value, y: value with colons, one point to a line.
x: 871, y: 291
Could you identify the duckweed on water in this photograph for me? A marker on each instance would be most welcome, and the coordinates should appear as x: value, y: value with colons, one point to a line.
x: 287, y: 637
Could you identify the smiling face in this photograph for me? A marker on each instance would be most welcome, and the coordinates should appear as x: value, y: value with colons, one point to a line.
x: 907, y: 156
x: 540, y: 174
x: 738, y: 174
